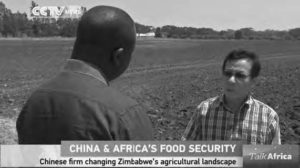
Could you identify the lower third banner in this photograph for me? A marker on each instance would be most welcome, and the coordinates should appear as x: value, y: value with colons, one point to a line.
x: 124, y: 154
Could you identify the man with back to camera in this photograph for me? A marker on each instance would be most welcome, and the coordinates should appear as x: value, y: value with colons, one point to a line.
x: 236, y: 115
x: 78, y: 104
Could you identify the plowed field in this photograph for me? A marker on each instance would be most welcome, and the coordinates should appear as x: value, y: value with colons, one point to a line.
x: 171, y: 77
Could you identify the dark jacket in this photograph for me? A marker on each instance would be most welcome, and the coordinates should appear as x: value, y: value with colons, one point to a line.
x: 79, y: 105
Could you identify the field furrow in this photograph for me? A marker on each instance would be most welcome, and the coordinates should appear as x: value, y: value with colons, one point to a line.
x: 171, y: 77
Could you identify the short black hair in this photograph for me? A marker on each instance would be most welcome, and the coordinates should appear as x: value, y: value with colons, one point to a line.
x: 242, y: 54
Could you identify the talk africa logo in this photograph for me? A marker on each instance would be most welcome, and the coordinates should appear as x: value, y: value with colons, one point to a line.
x: 270, y: 156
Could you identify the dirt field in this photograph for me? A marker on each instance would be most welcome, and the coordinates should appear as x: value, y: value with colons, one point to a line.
x: 171, y: 77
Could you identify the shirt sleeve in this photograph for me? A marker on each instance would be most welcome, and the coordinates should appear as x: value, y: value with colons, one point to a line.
x: 193, y: 129
x: 275, y: 130
x: 49, y: 118
x: 277, y: 140
x: 136, y: 124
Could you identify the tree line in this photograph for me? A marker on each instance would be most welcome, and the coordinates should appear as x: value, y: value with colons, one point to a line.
x: 19, y: 25
x: 170, y: 31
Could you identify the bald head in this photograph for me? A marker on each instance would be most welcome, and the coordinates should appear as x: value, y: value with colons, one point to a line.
x: 105, y: 39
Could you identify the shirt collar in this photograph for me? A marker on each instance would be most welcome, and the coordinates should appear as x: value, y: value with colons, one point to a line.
x: 249, y: 100
x: 78, y: 66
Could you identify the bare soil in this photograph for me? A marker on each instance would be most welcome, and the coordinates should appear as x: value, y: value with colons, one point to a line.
x: 170, y: 77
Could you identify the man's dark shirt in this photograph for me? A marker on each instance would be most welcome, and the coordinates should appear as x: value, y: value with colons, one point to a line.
x: 78, y: 104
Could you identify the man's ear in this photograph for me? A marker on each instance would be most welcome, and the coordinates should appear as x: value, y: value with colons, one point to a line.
x: 116, y: 56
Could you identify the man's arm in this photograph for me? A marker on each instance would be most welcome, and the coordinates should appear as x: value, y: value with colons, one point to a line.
x: 277, y: 140
x: 275, y: 129
x: 193, y: 129
x: 135, y: 124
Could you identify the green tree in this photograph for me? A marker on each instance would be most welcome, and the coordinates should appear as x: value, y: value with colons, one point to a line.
x: 295, y: 33
x: 21, y: 23
x: 142, y: 28
x: 33, y: 4
x: 238, y: 34
x: 68, y: 27
x: 247, y: 32
x: 158, y: 32
x: 2, y: 10
x: 8, y: 24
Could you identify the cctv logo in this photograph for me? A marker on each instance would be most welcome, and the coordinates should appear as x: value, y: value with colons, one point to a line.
x: 56, y: 11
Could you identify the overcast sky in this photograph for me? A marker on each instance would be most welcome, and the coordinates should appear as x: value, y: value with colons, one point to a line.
x: 216, y: 14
